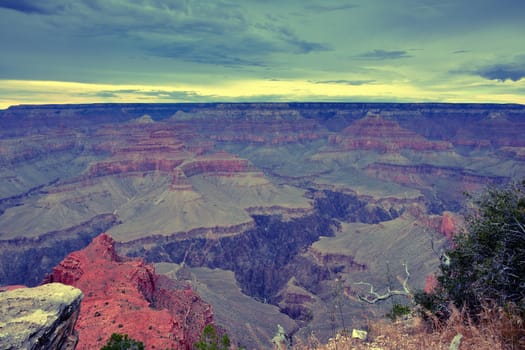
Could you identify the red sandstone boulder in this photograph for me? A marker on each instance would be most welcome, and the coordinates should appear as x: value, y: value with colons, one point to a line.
x: 126, y: 296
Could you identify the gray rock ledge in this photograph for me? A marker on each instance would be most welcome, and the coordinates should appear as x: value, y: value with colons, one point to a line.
x: 43, y: 317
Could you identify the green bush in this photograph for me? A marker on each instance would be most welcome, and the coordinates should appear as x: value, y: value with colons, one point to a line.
x: 210, y: 340
x: 486, y: 264
x: 399, y: 311
x: 122, y: 342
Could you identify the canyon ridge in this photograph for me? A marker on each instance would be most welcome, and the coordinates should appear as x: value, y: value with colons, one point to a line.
x: 272, y: 213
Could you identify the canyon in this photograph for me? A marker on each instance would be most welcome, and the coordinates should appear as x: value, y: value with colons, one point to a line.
x: 274, y: 209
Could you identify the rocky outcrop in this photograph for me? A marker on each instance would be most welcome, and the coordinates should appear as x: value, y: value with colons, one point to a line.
x: 451, y: 224
x: 126, y: 296
x: 43, y: 317
x: 380, y: 134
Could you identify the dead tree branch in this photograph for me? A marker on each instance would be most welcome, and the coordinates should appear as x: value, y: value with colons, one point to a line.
x: 373, y: 297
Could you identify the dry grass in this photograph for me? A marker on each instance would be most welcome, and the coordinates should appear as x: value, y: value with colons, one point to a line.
x: 496, y: 330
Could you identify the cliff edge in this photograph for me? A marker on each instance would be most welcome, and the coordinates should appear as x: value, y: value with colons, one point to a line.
x: 43, y: 317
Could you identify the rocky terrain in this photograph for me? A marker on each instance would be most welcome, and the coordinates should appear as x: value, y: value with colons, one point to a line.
x: 37, y: 318
x: 277, y: 208
x: 125, y: 296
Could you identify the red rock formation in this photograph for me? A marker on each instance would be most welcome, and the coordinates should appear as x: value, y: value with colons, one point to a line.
x: 431, y: 283
x: 383, y: 135
x: 126, y: 296
x: 161, y: 147
x: 450, y: 224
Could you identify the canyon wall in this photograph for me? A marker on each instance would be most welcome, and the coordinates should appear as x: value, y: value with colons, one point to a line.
x: 296, y: 200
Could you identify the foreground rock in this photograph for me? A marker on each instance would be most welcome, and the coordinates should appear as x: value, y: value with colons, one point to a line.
x: 126, y: 296
x: 39, y: 318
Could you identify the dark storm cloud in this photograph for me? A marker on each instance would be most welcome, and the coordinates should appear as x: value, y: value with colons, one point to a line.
x: 207, y: 32
x: 383, y: 55
x: 513, y: 70
x: 344, y: 82
x: 239, y: 48
x: 150, y: 19
x: 29, y: 6
x: 502, y: 72
x: 214, y: 53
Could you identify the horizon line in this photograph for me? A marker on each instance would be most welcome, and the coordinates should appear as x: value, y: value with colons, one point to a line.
x: 291, y: 102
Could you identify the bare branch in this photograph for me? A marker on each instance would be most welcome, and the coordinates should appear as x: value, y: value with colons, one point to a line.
x: 373, y: 297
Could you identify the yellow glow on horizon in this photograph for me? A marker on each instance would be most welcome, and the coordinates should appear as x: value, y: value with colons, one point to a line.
x: 15, y: 92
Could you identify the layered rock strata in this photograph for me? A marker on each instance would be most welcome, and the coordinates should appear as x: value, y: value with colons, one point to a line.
x: 377, y: 133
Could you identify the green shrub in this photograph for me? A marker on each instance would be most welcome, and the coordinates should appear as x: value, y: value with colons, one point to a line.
x: 210, y: 340
x: 486, y: 265
x: 122, y: 342
x: 399, y: 310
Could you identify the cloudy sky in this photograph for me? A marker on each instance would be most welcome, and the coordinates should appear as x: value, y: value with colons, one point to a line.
x: 66, y: 51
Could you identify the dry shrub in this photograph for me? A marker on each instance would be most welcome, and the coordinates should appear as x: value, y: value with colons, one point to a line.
x: 495, y: 329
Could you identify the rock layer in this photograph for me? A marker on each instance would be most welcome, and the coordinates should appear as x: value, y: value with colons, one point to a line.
x: 377, y: 133
x: 43, y: 317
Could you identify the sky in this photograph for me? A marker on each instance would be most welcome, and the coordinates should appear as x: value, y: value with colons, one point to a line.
x: 84, y: 51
